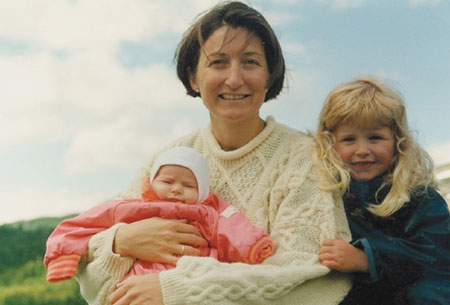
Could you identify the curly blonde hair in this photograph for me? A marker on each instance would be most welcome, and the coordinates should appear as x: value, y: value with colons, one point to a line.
x: 366, y: 102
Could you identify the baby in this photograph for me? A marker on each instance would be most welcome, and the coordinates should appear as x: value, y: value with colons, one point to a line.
x: 178, y: 188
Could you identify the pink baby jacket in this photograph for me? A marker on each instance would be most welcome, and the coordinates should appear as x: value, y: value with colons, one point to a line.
x: 230, y: 235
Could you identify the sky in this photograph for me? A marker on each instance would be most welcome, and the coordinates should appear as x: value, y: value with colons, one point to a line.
x: 88, y: 89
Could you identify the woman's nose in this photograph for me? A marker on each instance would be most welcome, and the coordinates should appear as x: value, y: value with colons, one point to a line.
x: 234, y: 78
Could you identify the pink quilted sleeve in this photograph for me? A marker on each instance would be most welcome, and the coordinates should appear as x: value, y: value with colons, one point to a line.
x: 237, y: 239
x: 70, y: 239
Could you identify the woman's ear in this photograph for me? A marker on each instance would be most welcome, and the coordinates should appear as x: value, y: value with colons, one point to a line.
x: 192, y: 81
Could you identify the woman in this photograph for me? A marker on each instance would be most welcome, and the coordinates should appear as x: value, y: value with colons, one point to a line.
x: 231, y: 58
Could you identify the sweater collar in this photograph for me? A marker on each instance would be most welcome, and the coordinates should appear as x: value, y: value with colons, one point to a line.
x: 242, y: 151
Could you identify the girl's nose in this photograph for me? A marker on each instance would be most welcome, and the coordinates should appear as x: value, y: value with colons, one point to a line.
x: 234, y: 78
x: 362, y: 148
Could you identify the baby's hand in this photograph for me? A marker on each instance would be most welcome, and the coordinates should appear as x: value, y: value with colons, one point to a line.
x: 337, y: 254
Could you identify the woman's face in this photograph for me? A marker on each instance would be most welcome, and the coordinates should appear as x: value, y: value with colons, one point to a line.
x: 232, y: 75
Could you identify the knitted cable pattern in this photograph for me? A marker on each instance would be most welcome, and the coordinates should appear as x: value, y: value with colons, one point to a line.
x: 273, y: 182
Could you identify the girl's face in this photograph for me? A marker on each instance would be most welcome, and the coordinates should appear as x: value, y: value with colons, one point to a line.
x: 176, y: 183
x: 368, y: 152
x: 232, y: 75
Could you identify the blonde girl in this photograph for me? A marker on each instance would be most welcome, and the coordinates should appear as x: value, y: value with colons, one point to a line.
x: 400, y: 252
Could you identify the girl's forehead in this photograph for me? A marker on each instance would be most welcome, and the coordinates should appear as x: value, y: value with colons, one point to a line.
x: 349, y: 127
x: 366, y: 121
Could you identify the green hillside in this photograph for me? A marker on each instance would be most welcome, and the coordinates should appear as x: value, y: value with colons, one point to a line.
x: 22, y: 272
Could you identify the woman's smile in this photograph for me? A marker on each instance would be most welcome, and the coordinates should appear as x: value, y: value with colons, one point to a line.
x: 233, y: 96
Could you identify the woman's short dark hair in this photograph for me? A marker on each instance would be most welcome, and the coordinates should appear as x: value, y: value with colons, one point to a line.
x: 236, y: 15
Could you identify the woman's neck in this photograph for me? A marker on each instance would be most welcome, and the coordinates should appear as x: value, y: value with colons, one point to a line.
x: 233, y: 135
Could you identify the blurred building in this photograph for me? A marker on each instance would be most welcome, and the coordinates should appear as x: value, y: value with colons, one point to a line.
x: 443, y: 176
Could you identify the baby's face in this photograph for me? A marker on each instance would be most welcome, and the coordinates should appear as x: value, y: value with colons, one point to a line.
x: 176, y: 183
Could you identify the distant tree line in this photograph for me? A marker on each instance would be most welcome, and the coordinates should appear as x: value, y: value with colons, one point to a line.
x: 22, y: 271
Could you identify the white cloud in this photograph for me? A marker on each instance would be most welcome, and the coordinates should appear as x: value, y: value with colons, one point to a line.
x: 124, y: 144
x: 24, y: 204
x: 440, y: 153
x: 85, y: 24
x: 43, y: 99
x: 27, y: 92
x: 69, y: 85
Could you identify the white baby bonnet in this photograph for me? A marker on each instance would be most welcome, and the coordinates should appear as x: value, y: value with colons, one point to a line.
x: 191, y: 159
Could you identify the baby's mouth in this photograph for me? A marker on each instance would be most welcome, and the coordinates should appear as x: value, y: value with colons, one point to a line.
x: 173, y: 199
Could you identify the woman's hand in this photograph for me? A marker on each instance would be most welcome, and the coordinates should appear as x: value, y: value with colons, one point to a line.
x: 138, y: 290
x: 337, y: 254
x: 158, y: 240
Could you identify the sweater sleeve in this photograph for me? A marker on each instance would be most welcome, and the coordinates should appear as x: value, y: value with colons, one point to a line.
x: 302, y: 216
x: 100, y: 268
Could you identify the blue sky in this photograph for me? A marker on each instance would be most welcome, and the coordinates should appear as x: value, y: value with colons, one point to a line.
x: 88, y: 88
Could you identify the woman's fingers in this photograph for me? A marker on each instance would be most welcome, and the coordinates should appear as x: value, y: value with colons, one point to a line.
x: 117, y: 294
x: 138, y: 290
x: 188, y: 250
x: 158, y: 240
x: 191, y: 240
x: 183, y: 227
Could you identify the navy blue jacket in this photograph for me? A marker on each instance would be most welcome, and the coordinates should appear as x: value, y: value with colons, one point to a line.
x: 404, y: 250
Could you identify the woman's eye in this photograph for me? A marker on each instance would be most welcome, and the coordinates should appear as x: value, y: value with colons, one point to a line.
x: 251, y: 62
x: 217, y: 62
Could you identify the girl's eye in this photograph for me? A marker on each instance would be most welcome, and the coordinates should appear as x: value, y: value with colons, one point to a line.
x: 347, y: 139
x: 375, y: 138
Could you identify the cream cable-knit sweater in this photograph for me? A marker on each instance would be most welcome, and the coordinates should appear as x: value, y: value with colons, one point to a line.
x: 273, y: 182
